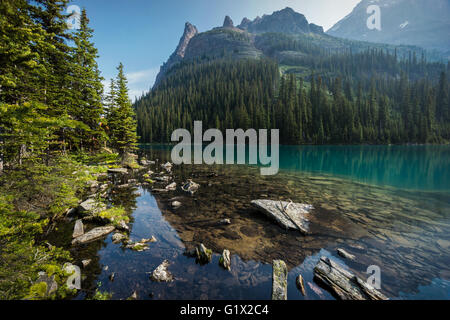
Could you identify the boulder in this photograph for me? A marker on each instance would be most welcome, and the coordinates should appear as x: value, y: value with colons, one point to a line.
x: 287, y: 214
x: 225, y: 260
x: 91, y: 206
x: 94, y: 234
x: 161, y: 274
x: 343, y: 283
x: 279, y: 280
x: 78, y: 230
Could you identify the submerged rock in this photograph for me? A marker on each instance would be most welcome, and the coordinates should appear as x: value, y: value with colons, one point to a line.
x: 279, y: 280
x: 225, y: 222
x: 287, y: 214
x: 176, y: 204
x: 225, y: 260
x: 161, y: 274
x: 94, y: 234
x: 343, y: 283
x: 345, y: 254
x: 190, y: 186
x: 78, y: 230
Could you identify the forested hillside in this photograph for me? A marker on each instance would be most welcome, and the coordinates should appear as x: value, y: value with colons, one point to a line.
x: 321, y: 97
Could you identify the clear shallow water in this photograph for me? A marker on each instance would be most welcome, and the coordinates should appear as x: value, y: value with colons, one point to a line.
x: 389, y: 206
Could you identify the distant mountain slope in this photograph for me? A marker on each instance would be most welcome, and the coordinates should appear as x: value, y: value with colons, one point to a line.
x: 285, y: 36
x: 422, y: 23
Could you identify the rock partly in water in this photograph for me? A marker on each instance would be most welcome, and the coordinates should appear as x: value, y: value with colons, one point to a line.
x: 94, y: 234
x: 86, y: 262
x: 204, y: 255
x: 301, y: 284
x: 172, y: 187
x: 287, y: 214
x: 78, y: 230
x: 343, y: 283
x: 279, y: 280
x: 190, y: 186
x: 161, y: 274
x: 345, y: 254
x: 91, y: 206
x: 225, y: 260
x: 118, y: 237
x: 118, y: 171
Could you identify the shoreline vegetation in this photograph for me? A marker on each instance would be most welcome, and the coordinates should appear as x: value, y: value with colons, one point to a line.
x: 58, y: 134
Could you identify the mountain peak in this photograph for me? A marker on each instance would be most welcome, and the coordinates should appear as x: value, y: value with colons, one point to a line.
x: 228, y: 23
x: 282, y: 21
x: 190, y: 31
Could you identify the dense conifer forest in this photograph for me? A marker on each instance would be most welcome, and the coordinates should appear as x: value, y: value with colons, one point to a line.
x: 372, y: 96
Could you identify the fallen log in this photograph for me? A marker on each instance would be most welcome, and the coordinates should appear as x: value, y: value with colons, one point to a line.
x: 343, y: 283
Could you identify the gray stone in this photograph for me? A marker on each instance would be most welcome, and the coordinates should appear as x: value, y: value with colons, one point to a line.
x: 91, y: 206
x: 225, y: 260
x: 118, y: 237
x: 172, y: 187
x: 279, y: 280
x: 78, y: 230
x: 161, y: 274
x: 118, y: 171
x: 287, y: 214
x: 94, y: 234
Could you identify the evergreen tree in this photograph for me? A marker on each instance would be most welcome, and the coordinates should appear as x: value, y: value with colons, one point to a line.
x: 121, y: 116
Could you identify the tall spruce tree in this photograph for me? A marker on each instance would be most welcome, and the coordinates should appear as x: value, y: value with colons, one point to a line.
x: 87, y: 89
x: 121, y: 116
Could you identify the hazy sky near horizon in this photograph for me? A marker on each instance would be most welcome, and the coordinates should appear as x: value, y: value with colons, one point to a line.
x: 143, y: 33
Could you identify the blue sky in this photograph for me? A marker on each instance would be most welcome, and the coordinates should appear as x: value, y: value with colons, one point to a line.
x: 143, y: 33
